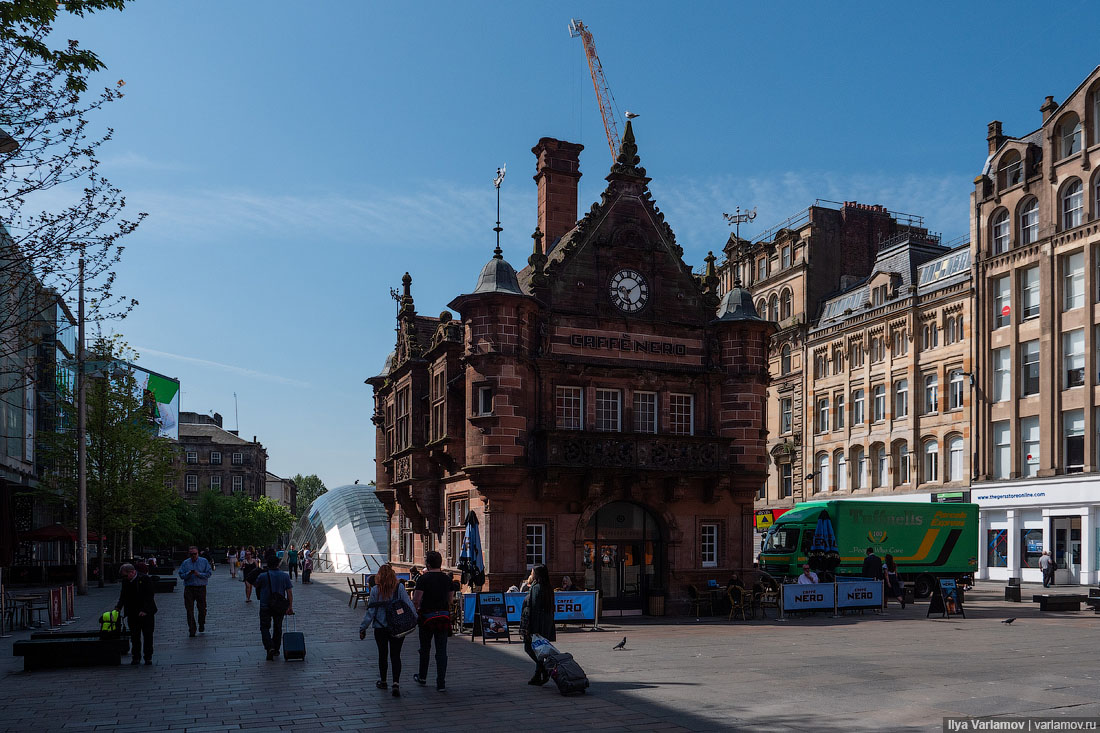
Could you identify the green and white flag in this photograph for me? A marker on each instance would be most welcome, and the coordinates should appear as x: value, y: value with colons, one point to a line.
x: 166, y: 393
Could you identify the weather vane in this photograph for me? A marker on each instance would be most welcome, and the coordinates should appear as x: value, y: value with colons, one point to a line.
x: 498, y: 229
x: 738, y: 219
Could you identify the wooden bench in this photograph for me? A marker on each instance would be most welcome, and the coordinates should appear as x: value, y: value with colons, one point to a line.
x: 82, y: 651
x: 1058, y: 602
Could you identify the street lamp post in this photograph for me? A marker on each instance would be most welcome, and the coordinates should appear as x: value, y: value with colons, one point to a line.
x: 81, y: 441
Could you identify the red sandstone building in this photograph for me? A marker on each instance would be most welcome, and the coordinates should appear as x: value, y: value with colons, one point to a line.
x: 600, y: 411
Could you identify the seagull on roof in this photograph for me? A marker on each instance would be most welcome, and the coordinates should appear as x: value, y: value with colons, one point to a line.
x: 631, y: 115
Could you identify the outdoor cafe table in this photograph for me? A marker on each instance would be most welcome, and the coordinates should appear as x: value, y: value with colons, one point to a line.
x: 25, y: 600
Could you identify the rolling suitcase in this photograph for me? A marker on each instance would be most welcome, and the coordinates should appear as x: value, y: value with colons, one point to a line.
x: 294, y: 642
x: 566, y: 673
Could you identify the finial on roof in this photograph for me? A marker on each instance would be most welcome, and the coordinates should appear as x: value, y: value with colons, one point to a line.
x: 628, y: 159
x: 537, y: 261
x: 497, y: 254
x: 407, y: 307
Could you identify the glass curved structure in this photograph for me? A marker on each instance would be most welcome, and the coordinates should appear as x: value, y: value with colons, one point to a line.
x: 348, y: 530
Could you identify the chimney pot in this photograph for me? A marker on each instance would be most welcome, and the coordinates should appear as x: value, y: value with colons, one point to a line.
x: 1049, y: 105
x: 557, y: 172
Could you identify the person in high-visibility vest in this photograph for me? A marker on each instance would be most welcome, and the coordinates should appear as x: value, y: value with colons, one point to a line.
x: 108, y: 621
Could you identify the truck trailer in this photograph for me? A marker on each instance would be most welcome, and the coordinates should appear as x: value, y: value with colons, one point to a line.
x: 928, y: 540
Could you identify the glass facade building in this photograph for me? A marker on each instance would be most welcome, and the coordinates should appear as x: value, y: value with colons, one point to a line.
x: 348, y: 530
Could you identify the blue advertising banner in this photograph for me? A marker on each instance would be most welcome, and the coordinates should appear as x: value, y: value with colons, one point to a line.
x: 809, y: 597
x: 569, y: 606
x: 859, y: 594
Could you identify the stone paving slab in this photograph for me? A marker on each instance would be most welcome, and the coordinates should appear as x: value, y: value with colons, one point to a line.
x: 895, y: 671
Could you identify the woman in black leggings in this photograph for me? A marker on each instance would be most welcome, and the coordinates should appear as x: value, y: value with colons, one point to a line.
x: 385, y: 590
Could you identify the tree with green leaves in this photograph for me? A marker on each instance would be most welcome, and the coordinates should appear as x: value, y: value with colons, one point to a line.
x: 127, y: 463
x: 309, y: 488
x: 21, y: 21
x: 219, y: 520
x: 55, y: 206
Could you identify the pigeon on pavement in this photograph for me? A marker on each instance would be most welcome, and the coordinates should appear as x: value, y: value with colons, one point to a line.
x: 1008, y: 620
x: 620, y: 645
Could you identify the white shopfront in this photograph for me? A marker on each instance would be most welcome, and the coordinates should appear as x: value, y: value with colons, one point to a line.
x: 1019, y: 520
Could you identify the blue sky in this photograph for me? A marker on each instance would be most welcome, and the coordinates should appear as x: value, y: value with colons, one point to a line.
x: 296, y: 158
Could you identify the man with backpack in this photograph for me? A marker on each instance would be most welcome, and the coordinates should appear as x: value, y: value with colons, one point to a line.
x: 275, y: 591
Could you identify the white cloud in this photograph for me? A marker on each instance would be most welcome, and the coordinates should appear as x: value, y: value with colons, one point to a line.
x: 694, y: 207
x: 224, y: 367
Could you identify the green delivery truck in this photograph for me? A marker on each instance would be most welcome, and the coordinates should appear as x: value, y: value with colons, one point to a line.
x: 928, y: 540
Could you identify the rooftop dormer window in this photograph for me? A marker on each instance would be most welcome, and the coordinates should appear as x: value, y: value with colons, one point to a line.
x: 1068, y: 136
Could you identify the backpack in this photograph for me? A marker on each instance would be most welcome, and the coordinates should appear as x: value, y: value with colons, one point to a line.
x: 277, y: 602
x: 400, y: 619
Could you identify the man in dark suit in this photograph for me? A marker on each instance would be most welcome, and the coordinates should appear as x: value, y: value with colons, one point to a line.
x: 137, y: 604
x: 872, y: 565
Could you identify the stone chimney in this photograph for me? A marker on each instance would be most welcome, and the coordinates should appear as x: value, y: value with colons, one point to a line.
x: 557, y: 173
x: 995, y: 137
x: 1049, y: 105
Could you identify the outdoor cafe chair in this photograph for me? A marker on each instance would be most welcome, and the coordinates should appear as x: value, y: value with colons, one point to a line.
x: 737, y: 602
x: 358, y: 593
x: 768, y: 597
x: 699, y: 602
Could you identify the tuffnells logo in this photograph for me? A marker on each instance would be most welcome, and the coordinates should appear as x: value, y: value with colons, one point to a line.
x: 877, y: 536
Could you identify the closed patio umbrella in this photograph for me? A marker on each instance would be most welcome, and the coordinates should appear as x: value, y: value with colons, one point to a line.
x: 470, y: 560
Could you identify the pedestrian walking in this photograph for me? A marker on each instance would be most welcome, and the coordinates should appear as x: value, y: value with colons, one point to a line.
x: 275, y: 591
x: 385, y: 591
x: 432, y: 598
x: 307, y: 564
x: 135, y: 600
x: 195, y: 572
x: 231, y: 561
x: 1046, y: 565
x: 537, y: 617
x: 872, y: 565
x: 249, y: 566
x: 292, y: 561
x: 892, y: 580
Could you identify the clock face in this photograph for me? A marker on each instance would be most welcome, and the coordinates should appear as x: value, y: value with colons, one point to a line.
x: 629, y: 290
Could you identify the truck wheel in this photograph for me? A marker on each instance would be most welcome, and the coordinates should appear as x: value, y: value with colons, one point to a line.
x: 923, y: 586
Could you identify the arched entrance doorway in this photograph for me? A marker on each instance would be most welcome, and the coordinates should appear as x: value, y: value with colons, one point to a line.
x: 623, y: 555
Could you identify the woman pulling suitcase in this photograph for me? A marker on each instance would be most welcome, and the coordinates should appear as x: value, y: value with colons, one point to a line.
x: 537, y: 617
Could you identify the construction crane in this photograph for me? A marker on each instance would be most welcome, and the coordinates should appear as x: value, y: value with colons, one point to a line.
x: 608, y: 108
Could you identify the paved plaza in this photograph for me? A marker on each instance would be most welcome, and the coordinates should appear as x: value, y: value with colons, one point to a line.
x: 893, y: 671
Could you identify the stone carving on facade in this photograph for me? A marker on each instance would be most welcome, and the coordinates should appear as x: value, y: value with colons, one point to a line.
x: 402, y: 469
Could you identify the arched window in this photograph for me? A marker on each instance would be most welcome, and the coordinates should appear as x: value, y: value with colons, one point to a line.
x: 762, y: 308
x: 1073, y: 205
x: 773, y: 308
x: 840, y: 482
x: 821, y: 477
x: 1010, y: 171
x: 901, y: 463
x: 1069, y: 136
x: 931, y: 461
x: 785, y: 359
x: 1029, y: 221
x: 1000, y: 232
x: 959, y: 328
x: 950, y: 335
x: 1096, y: 197
x: 878, y: 466
x: 785, y: 305
x: 859, y: 468
x: 954, y: 458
